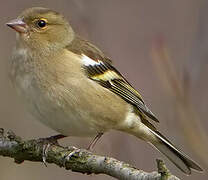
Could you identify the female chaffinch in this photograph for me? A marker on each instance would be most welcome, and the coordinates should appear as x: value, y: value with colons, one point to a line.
x: 71, y: 86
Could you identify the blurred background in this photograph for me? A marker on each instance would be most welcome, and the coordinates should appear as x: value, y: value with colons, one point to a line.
x: 160, y: 46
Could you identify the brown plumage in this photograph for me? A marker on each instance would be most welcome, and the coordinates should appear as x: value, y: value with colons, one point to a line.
x: 71, y: 86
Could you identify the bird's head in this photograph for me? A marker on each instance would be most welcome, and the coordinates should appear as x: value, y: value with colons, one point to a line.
x: 41, y: 27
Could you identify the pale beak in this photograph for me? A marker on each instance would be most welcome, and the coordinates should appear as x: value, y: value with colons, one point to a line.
x: 18, y: 25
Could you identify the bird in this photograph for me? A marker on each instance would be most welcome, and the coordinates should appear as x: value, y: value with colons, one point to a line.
x: 71, y: 86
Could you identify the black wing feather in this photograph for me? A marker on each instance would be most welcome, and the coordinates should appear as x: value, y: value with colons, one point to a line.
x: 119, y: 85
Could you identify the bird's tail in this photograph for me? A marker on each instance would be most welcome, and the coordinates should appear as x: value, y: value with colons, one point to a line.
x: 182, y: 161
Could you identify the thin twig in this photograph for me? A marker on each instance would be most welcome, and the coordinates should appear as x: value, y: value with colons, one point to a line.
x: 82, y: 161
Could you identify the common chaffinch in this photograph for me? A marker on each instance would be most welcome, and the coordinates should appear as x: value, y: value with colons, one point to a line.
x: 72, y: 87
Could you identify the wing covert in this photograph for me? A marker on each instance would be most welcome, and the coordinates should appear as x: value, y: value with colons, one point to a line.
x: 107, y: 76
x: 99, y: 68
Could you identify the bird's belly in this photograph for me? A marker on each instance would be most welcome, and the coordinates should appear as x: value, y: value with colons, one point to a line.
x: 64, y: 118
x: 68, y: 112
x: 70, y: 123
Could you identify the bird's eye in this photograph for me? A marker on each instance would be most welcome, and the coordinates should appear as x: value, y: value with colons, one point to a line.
x: 42, y: 23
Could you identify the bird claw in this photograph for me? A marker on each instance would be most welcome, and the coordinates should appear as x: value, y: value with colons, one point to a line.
x: 67, y: 156
x: 47, y: 142
x: 45, y: 153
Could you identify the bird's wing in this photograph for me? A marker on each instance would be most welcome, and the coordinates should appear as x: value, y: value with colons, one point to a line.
x: 100, y: 69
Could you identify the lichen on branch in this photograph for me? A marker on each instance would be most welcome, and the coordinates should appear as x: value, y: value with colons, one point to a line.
x: 81, y: 161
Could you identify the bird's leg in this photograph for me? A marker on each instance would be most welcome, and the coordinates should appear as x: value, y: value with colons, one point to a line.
x: 47, y: 142
x: 94, y: 141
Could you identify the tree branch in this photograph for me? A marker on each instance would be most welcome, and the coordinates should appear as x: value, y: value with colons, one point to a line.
x: 81, y: 161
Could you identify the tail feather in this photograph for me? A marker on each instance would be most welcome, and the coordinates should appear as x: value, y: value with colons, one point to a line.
x: 182, y: 161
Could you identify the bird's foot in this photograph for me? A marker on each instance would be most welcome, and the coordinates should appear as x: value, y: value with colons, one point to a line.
x: 47, y: 142
x: 75, y: 152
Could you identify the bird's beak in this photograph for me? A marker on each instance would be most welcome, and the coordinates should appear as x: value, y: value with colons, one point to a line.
x: 18, y: 25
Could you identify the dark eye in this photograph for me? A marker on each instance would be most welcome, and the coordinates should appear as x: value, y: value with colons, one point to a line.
x: 41, y: 23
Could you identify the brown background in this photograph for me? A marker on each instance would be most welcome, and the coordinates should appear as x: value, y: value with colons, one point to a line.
x: 125, y: 30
